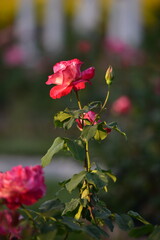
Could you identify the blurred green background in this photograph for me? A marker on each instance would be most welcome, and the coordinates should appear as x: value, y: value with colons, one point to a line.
x: 26, y: 110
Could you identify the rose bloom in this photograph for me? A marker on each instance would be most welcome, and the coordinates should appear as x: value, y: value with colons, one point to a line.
x: 122, y: 105
x: 89, y: 118
x: 22, y: 185
x: 10, y: 224
x: 67, y: 76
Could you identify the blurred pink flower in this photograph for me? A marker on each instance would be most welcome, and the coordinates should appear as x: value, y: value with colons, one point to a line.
x: 22, y: 185
x: 115, y: 46
x: 10, y: 224
x: 14, y: 56
x: 122, y: 105
x: 128, y: 55
x: 84, y: 46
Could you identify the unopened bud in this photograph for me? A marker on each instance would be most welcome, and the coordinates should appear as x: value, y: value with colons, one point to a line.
x: 109, y: 75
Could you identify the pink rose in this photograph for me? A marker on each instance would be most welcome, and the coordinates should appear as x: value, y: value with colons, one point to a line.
x: 122, y: 105
x: 67, y: 76
x: 14, y: 56
x: 22, y: 185
x: 89, y: 118
x: 10, y: 224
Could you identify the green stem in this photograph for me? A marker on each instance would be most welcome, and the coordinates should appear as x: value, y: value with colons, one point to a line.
x: 79, y: 103
x: 105, y: 102
x: 27, y: 213
x: 88, y: 162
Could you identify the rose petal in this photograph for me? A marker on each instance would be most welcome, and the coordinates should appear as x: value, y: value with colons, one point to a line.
x: 88, y: 73
x: 70, y: 74
x: 78, y: 86
x: 108, y: 130
x: 60, y: 91
x: 79, y: 123
x: 63, y: 64
x: 91, y: 116
x: 56, y: 78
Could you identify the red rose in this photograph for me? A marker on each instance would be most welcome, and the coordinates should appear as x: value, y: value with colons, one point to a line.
x: 67, y: 76
x: 22, y: 185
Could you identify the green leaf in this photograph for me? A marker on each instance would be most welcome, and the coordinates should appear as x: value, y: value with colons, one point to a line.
x: 97, y: 178
x: 49, y: 205
x: 75, y: 181
x: 113, y: 177
x: 68, y: 124
x: 108, y: 172
x: 75, y: 113
x: 124, y: 221
x: 77, y: 149
x: 137, y: 216
x: 63, y: 183
x: 103, y: 214
x: 48, y: 235
x: 71, y: 206
x: 109, y: 223
x: 94, y: 104
x: 155, y: 235
x: 114, y: 125
x: 89, y: 132
x: 71, y: 223
x: 101, y: 133
x: 57, y: 145
x: 141, y: 231
x: 60, y: 117
x: 95, y: 232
